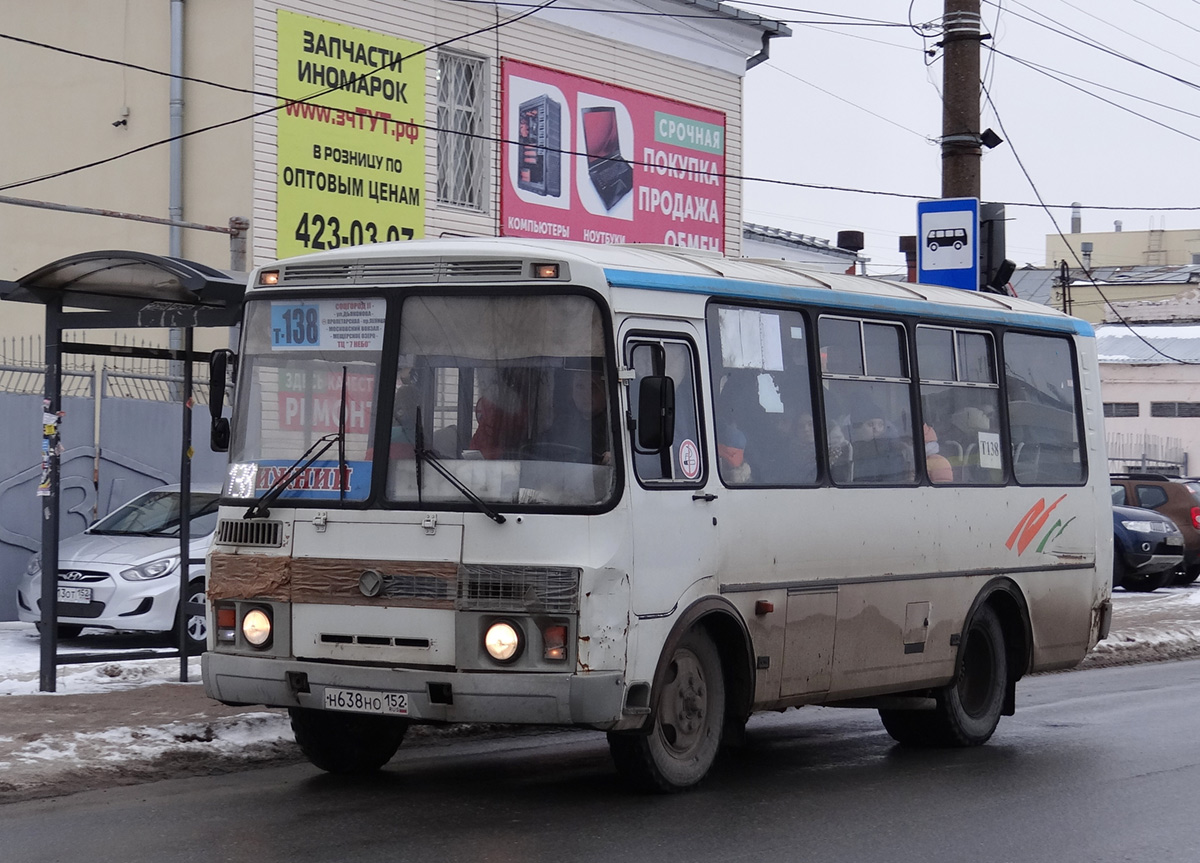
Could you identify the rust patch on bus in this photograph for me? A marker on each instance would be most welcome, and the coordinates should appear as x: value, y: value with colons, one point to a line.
x: 245, y: 576
x: 335, y: 581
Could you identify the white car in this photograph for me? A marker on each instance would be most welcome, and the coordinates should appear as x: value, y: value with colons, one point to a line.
x: 123, y: 571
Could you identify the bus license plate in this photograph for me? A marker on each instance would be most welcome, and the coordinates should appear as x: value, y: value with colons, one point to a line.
x: 75, y: 594
x: 362, y: 701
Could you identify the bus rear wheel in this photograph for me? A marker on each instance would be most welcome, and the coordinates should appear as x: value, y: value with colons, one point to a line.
x: 689, y: 716
x: 346, y: 742
x: 968, y: 709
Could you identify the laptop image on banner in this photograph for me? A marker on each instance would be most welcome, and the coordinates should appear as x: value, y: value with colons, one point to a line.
x: 611, y: 175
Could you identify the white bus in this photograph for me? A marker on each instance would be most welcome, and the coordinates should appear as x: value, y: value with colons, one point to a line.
x: 650, y: 491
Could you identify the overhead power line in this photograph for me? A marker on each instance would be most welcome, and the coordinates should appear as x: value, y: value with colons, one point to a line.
x: 494, y: 139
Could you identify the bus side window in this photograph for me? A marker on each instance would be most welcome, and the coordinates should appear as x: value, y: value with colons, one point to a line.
x: 960, y: 406
x: 1043, y: 410
x: 682, y: 462
x: 868, y: 411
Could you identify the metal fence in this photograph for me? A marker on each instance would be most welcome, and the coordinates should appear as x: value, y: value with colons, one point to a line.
x: 1140, y: 453
x: 120, y: 436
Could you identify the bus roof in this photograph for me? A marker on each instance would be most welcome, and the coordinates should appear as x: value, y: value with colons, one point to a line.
x: 665, y: 268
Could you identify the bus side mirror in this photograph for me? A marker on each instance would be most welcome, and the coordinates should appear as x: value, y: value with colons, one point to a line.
x: 218, y: 365
x: 656, y: 413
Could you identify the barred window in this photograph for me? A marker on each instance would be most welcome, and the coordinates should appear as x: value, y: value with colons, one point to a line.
x: 1175, y: 409
x: 461, y: 157
x: 1121, y: 409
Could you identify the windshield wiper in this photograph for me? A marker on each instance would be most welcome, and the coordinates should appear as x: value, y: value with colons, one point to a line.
x: 424, y: 455
x: 260, y: 506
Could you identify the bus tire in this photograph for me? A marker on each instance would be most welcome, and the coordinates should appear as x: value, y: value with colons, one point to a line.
x: 346, y: 742
x: 912, y: 728
x: 969, y: 707
x: 688, y: 718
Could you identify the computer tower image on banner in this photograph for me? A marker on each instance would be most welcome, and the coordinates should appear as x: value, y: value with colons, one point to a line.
x: 539, y: 142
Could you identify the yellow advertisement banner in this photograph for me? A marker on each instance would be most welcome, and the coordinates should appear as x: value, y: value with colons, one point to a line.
x: 351, y: 160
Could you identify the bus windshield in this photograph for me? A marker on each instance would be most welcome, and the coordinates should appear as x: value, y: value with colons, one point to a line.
x: 513, y: 397
x: 310, y: 369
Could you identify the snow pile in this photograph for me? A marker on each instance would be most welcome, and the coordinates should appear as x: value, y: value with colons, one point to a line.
x: 20, y: 661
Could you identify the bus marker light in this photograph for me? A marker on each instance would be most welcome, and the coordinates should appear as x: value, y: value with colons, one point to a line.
x: 554, y: 641
x: 503, y: 641
x: 545, y: 271
x: 256, y: 627
x: 269, y: 277
x: 226, y: 623
x: 762, y: 607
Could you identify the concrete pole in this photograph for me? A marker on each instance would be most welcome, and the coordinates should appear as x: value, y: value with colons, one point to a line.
x: 962, y: 30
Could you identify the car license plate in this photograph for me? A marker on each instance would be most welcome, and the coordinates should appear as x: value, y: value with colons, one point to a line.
x: 75, y: 594
x: 1174, y: 540
x: 362, y: 701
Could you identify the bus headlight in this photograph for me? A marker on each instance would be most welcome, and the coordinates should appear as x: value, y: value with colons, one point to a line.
x: 503, y: 641
x: 256, y: 627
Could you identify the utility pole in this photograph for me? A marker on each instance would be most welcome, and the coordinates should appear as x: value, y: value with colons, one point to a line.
x: 961, y: 153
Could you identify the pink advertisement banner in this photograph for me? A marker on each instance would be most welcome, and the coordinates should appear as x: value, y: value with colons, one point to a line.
x: 598, y: 163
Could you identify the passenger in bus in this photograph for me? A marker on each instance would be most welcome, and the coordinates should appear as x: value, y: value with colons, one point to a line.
x: 936, y: 465
x: 502, y: 415
x: 878, y: 456
x: 841, y: 454
x: 731, y: 452
x: 579, y: 430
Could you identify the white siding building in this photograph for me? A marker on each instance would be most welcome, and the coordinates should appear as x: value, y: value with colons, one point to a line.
x: 408, y: 118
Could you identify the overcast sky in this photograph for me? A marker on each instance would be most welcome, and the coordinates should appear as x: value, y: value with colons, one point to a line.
x: 860, y: 107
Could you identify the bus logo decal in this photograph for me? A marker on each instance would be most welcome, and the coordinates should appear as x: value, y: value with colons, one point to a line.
x: 1033, y: 521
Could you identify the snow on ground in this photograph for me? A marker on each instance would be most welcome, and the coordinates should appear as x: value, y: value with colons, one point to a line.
x: 20, y: 662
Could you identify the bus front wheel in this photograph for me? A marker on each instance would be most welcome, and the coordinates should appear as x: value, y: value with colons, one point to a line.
x: 968, y: 709
x: 689, y: 716
x: 346, y: 742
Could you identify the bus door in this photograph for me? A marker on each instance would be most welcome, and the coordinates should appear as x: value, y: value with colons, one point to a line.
x: 674, y: 523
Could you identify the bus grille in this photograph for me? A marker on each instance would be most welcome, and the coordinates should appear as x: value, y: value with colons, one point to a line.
x: 255, y: 532
x: 417, y: 587
x: 518, y: 588
x: 400, y: 272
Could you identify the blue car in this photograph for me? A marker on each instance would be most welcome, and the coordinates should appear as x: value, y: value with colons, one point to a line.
x: 1147, y: 549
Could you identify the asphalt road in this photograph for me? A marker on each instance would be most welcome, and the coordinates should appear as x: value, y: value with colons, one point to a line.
x: 1097, y: 765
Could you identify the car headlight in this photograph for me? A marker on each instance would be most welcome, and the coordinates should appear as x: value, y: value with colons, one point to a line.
x: 153, y: 569
x: 1148, y: 527
x: 503, y: 641
x: 35, y: 565
x: 256, y: 627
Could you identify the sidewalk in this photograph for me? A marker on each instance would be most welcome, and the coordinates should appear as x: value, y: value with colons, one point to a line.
x: 127, y: 723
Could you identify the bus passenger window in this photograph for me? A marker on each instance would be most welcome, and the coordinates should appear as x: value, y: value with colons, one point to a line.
x: 868, y: 411
x: 763, y: 411
x: 1043, y: 410
x: 960, y: 406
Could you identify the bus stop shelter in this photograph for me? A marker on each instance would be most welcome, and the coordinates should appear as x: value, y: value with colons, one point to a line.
x: 117, y: 290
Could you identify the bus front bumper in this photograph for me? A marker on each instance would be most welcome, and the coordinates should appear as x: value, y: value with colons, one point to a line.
x: 593, y: 699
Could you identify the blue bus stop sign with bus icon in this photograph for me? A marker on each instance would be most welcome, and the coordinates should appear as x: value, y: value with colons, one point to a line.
x: 947, y: 243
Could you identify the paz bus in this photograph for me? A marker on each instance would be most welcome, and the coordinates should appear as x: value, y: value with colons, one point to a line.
x: 646, y: 490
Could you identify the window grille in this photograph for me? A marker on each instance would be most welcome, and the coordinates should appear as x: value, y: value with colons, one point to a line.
x: 1175, y: 409
x: 1121, y: 409
x: 461, y: 157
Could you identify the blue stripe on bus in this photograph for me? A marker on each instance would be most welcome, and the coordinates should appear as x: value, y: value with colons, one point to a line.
x: 741, y: 289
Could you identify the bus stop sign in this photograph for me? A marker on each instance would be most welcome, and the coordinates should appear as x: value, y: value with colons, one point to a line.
x: 947, y: 243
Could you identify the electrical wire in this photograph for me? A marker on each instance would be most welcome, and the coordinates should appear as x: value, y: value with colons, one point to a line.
x: 1118, y: 105
x: 493, y: 139
x: 265, y: 111
x: 833, y: 95
x: 1099, y: 47
x: 1067, y: 243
